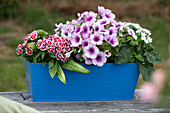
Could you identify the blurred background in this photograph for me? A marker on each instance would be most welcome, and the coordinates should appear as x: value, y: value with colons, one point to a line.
x: 20, y: 17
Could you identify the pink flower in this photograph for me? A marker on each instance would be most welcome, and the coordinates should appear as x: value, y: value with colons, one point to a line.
x: 27, y: 37
x: 158, y: 78
x: 34, y: 35
x: 149, y: 92
x: 19, y: 51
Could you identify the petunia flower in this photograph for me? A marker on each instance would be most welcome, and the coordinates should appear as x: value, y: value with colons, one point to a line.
x: 112, y: 31
x: 85, y: 30
x: 104, y: 21
x: 88, y: 61
x: 132, y: 33
x: 96, y: 39
x: 91, y: 51
x: 90, y: 17
x: 107, y: 54
x: 100, y: 59
x: 76, y: 40
x: 85, y: 43
x: 97, y: 27
x: 114, y: 42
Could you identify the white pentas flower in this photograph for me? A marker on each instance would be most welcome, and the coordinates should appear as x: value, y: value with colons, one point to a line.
x: 91, y: 51
x: 76, y: 40
x: 96, y: 39
x: 100, y: 59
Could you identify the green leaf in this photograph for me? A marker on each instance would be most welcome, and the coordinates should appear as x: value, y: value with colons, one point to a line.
x: 134, y: 42
x: 61, y: 74
x: 153, y: 57
x: 51, y: 55
x: 146, y: 71
x: 53, y: 69
x: 139, y: 57
x: 33, y: 46
x: 43, y: 54
x: 43, y: 63
x: 125, y: 55
x: 41, y: 33
x: 73, y: 66
x: 51, y: 63
x: 129, y: 38
x: 35, y: 58
x: 149, y: 47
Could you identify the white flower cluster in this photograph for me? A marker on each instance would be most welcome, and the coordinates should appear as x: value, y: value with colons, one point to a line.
x: 144, y: 33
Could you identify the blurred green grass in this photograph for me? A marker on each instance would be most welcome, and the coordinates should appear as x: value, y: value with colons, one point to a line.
x: 12, y: 76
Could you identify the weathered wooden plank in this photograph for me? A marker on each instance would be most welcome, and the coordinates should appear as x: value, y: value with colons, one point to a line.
x: 134, y: 106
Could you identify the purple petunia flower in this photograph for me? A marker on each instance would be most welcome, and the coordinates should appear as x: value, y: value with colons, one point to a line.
x: 59, y: 27
x: 107, y: 54
x: 78, y: 29
x: 65, y: 34
x: 106, y: 12
x: 88, y: 61
x: 132, y: 33
x: 114, y: 42
x: 112, y: 31
x: 91, y: 17
x: 91, y: 51
x: 100, y: 59
x: 96, y: 39
x: 97, y: 27
x: 76, y: 40
x: 104, y: 21
x: 107, y: 38
x: 85, y: 30
x: 86, y: 43
x: 104, y: 32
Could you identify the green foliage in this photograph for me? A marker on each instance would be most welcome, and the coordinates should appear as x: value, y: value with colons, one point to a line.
x: 153, y: 57
x: 60, y: 74
x: 73, y: 66
x: 53, y: 69
x: 126, y: 54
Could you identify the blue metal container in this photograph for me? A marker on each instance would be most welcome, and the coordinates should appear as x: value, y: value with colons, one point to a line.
x: 109, y: 82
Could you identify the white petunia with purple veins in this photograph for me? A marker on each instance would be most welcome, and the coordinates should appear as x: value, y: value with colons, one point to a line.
x: 112, y: 31
x: 132, y: 33
x: 88, y: 61
x: 76, y: 40
x: 65, y: 34
x: 114, y: 42
x: 107, y: 53
x: 106, y: 12
x: 96, y: 39
x: 85, y: 43
x: 104, y: 21
x: 100, y: 59
x: 85, y: 30
x: 97, y: 27
x: 91, y: 51
x: 91, y: 17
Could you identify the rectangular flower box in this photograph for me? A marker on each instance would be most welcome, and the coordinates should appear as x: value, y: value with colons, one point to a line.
x: 109, y: 82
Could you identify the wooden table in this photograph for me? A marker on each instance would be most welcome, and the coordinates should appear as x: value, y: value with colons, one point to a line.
x: 134, y: 106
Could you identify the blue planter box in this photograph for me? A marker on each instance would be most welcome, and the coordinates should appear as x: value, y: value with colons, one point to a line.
x: 109, y: 82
